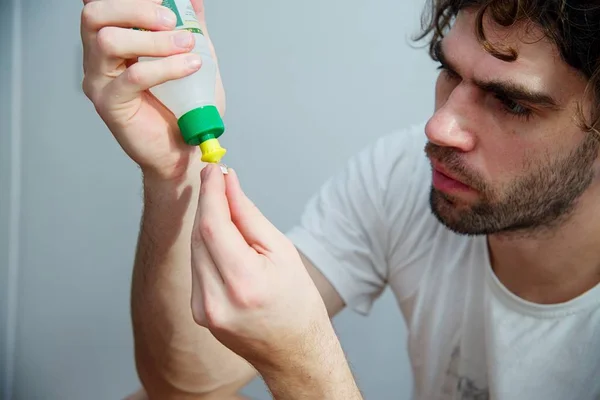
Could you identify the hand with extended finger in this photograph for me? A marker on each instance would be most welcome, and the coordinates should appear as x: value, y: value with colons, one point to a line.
x: 250, y: 287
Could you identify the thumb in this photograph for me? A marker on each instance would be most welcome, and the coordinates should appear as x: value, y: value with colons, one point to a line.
x: 199, y: 8
x: 258, y: 231
x: 201, y: 15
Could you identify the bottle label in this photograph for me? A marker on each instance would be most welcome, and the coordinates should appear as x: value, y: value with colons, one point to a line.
x: 186, y: 16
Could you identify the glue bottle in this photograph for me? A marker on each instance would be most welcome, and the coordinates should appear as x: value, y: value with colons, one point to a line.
x: 192, y: 98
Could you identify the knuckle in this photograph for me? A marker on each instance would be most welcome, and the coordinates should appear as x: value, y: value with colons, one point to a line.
x: 206, y: 229
x: 107, y: 41
x: 94, y: 94
x: 135, y: 75
x: 89, y: 14
x: 247, y: 298
x: 215, y: 317
x: 87, y: 89
x: 198, y: 314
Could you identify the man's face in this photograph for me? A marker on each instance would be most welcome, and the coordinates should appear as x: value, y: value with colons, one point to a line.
x: 505, y: 145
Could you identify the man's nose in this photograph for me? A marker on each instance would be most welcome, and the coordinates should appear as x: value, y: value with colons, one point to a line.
x: 449, y: 126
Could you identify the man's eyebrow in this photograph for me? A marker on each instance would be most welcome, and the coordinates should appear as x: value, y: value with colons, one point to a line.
x: 517, y: 92
x: 505, y: 90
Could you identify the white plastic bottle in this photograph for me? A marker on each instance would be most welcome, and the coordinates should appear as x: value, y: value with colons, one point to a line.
x: 192, y: 98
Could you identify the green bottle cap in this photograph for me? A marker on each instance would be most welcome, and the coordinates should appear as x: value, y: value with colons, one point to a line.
x: 200, y: 125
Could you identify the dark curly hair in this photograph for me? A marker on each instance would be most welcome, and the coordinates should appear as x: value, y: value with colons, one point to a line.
x: 573, y: 25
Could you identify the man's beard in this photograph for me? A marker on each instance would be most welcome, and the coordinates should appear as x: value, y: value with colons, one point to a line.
x: 542, y: 198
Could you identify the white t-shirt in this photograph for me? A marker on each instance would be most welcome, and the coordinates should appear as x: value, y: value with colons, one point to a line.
x: 469, y: 337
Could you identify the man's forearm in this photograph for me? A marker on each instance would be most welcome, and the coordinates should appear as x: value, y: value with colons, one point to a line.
x: 175, y: 357
x: 320, y: 373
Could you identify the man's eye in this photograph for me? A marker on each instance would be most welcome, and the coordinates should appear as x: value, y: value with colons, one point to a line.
x: 514, y: 108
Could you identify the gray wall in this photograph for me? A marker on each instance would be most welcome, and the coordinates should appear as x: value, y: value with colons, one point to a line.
x: 5, y: 171
x: 340, y: 71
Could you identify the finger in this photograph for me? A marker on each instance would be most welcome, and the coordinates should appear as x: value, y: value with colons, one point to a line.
x: 198, y: 6
x: 147, y: 74
x: 208, y: 288
x: 256, y: 229
x: 123, y: 43
x: 127, y: 14
x: 196, y: 300
x: 200, y: 14
x: 116, y: 13
x: 223, y: 240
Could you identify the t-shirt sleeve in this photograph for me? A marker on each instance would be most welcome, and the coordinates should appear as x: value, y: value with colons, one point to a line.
x: 344, y: 229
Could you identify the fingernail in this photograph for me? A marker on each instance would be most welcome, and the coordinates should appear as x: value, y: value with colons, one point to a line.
x: 166, y: 16
x: 183, y: 39
x: 193, y: 61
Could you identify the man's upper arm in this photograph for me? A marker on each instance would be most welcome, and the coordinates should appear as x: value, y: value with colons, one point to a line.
x: 341, y: 235
x: 332, y: 299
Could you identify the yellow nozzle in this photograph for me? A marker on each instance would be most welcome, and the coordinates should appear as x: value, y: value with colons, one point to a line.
x: 212, y: 152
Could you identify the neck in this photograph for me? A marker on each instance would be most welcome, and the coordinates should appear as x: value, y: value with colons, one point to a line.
x: 552, y: 266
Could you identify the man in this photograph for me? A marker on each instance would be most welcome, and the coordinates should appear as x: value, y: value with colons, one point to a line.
x: 490, y: 240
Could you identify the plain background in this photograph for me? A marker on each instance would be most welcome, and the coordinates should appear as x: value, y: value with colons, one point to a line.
x: 5, y: 178
x: 309, y: 84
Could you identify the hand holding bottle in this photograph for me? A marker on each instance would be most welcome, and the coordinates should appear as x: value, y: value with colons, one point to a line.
x: 118, y: 85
